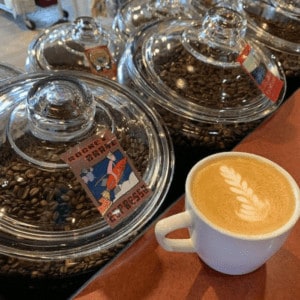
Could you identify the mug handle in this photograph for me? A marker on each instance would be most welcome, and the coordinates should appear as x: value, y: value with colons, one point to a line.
x: 172, y: 223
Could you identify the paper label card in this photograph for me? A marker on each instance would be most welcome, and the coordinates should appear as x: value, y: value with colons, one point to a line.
x: 108, y: 176
x: 101, y: 62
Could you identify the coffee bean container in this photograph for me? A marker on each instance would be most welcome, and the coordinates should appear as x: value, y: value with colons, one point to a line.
x: 83, y: 45
x: 49, y: 226
x: 189, y: 71
x: 133, y: 15
x: 276, y: 24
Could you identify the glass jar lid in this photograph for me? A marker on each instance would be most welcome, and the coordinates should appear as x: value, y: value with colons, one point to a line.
x: 84, y: 45
x: 44, y: 210
x: 133, y: 15
x: 276, y: 23
x: 206, y: 70
x: 291, y: 7
x: 203, y: 5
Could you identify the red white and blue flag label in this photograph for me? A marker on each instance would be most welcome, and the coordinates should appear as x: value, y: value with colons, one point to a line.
x: 269, y: 84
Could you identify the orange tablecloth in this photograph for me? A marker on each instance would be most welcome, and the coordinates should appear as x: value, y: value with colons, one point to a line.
x: 146, y: 271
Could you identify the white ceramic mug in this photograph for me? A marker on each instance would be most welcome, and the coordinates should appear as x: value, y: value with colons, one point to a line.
x: 225, y: 251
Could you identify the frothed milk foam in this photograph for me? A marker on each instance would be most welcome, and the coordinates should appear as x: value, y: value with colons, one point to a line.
x: 243, y: 195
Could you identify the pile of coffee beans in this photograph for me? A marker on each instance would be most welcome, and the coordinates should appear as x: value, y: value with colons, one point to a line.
x: 207, y: 86
x: 209, y: 136
x: 286, y: 29
x: 42, y: 269
x: 53, y: 200
x: 290, y: 62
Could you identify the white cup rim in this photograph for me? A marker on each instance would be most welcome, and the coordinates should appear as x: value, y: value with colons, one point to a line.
x: 279, y: 231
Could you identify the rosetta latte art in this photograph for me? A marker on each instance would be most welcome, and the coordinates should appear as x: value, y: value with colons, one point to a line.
x: 251, y: 208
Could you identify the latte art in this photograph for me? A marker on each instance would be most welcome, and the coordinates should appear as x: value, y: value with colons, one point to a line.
x: 252, y: 208
x: 242, y: 194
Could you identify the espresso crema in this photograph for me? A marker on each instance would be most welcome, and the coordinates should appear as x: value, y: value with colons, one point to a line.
x: 243, y: 195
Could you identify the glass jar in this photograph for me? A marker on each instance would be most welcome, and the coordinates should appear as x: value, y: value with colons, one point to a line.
x: 276, y: 24
x: 50, y: 226
x: 133, y: 15
x: 84, y: 45
x: 196, y: 74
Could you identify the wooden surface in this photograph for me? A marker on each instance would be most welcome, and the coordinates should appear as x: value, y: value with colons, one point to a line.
x: 146, y: 271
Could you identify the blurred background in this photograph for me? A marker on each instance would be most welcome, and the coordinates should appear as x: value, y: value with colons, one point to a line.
x: 15, y: 36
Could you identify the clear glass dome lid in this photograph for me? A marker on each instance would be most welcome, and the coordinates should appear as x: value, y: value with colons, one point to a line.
x: 59, y: 112
x: 133, y: 15
x: 276, y: 23
x: 290, y: 7
x: 207, y: 70
x: 203, y: 5
x: 68, y: 46
x: 42, y: 203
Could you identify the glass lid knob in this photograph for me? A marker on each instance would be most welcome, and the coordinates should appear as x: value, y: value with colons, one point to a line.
x: 219, y: 39
x: 59, y: 108
x: 86, y: 30
x: 223, y: 26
